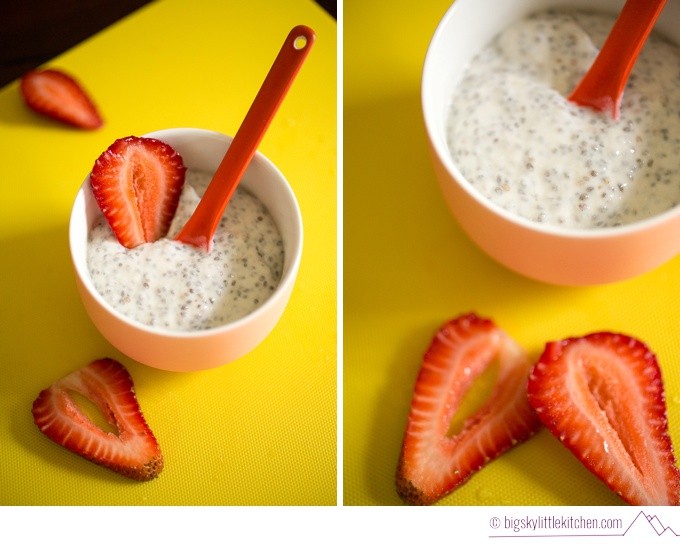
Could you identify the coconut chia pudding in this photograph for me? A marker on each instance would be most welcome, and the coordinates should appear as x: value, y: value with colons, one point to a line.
x: 520, y: 143
x: 178, y: 287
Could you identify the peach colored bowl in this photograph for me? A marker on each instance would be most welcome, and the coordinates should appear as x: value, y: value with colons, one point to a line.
x: 550, y: 254
x: 194, y: 350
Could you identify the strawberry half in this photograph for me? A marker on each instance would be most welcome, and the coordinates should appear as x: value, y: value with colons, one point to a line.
x: 133, y: 452
x: 137, y: 183
x: 59, y: 96
x: 602, y: 395
x: 432, y: 464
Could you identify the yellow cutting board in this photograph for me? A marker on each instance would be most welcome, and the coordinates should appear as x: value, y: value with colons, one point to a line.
x: 261, y: 430
x: 408, y: 267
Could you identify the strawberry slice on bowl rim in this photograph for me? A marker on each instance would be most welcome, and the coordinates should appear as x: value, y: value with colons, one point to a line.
x: 433, y: 462
x: 137, y: 183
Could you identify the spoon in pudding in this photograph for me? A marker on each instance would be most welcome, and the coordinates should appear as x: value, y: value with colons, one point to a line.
x: 602, y: 86
x: 200, y: 228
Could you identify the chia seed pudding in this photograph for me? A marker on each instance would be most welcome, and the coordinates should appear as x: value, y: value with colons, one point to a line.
x: 178, y: 287
x: 519, y: 142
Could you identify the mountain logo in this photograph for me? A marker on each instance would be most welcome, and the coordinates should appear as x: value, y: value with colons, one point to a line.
x: 644, y: 526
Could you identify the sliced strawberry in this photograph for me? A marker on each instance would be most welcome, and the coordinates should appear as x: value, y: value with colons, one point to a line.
x: 432, y: 464
x: 58, y: 95
x: 602, y: 395
x: 133, y: 452
x: 137, y: 183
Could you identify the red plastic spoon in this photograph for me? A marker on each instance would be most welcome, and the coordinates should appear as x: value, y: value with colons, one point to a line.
x: 602, y: 86
x: 200, y: 228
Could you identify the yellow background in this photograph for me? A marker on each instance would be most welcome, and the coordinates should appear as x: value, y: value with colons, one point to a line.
x: 261, y: 430
x: 408, y: 267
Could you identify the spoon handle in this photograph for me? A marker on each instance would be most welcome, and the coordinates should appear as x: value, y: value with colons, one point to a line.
x: 602, y: 86
x: 200, y: 227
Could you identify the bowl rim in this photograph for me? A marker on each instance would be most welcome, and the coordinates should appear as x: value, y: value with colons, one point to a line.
x: 440, y: 148
x: 284, y: 285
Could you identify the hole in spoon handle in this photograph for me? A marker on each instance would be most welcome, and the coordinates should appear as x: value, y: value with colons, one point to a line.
x: 279, y: 79
x: 303, y: 36
x: 201, y: 226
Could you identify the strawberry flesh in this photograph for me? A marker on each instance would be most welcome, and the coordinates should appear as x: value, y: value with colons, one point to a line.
x: 432, y: 464
x: 602, y: 395
x: 137, y: 183
x: 132, y: 452
x: 57, y: 95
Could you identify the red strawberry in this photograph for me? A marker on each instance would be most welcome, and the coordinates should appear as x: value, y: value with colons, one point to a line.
x: 133, y: 452
x: 57, y: 95
x: 137, y: 183
x: 432, y: 464
x: 602, y: 395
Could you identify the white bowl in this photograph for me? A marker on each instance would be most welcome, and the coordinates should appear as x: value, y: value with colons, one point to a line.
x: 542, y: 252
x: 194, y: 350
